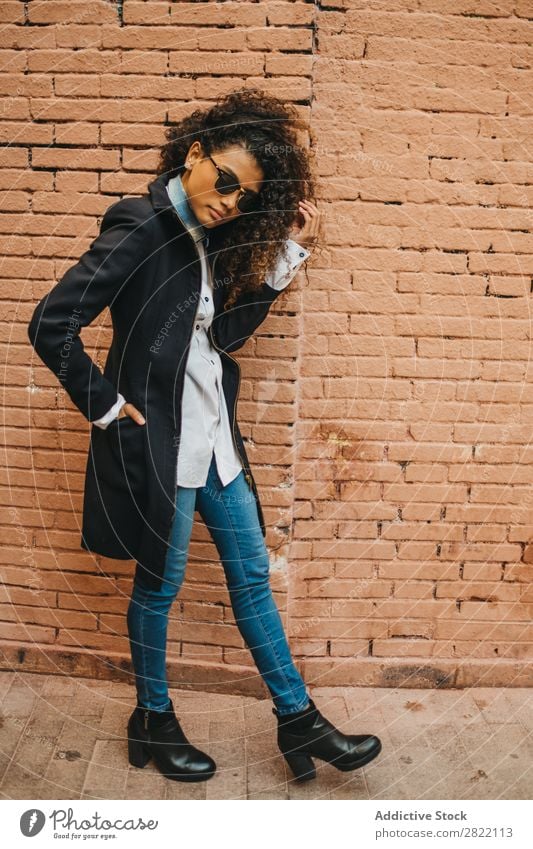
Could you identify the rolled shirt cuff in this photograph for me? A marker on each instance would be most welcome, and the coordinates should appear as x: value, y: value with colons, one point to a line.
x: 285, y: 270
x: 111, y: 414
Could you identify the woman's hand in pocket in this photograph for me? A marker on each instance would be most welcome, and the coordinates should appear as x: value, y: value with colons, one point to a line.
x: 132, y: 412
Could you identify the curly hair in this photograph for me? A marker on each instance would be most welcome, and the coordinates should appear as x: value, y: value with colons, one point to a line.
x: 249, y: 246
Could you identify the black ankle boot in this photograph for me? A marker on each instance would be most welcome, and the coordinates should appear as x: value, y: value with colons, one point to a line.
x: 158, y: 735
x: 307, y: 733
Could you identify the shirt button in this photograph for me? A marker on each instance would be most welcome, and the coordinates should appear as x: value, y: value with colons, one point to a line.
x: 197, y: 326
x: 212, y: 362
x: 301, y: 254
x: 206, y: 298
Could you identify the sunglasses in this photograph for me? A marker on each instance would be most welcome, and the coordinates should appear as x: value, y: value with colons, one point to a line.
x: 227, y: 183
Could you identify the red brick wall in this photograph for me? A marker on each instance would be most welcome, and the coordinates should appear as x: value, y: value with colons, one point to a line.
x: 388, y: 404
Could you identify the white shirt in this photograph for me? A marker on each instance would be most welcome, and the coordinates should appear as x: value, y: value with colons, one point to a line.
x: 205, y: 425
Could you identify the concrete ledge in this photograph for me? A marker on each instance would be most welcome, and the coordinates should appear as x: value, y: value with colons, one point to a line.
x: 442, y: 673
x: 187, y: 674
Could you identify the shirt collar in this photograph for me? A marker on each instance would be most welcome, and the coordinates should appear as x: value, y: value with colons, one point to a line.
x: 180, y: 201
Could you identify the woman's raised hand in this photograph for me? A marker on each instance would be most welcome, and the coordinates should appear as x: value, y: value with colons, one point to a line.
x: 306, y: 234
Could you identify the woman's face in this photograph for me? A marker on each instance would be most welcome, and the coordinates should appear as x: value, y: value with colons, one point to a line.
x: 199, y: 182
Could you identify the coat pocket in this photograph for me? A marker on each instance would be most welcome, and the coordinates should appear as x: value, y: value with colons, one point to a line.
x: 123, y: 464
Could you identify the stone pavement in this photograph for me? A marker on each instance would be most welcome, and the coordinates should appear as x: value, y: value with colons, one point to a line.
x: 64, y: 738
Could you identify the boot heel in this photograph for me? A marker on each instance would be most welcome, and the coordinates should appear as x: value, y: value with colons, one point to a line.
x: 138, y: 753
x: 301, y: 765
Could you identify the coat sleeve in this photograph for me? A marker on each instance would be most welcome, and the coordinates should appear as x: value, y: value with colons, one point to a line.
x: 80, y: 296
x: 232, y: 329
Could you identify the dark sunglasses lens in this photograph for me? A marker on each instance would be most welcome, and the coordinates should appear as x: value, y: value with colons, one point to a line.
x: 226, y: 186
x: 247, y: 203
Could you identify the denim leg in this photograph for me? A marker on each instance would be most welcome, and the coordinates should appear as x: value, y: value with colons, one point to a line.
x: 230, y: 514
x: 147, y: 615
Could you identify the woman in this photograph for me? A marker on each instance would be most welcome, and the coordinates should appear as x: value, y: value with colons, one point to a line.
x: 165, y: 441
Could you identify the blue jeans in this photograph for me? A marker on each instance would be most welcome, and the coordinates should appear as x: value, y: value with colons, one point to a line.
x: 230, y: 514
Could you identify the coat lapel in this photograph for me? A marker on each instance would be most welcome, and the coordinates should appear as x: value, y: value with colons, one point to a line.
x: 162, y: 204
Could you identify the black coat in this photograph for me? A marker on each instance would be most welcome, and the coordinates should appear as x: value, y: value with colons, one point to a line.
x: 145, y: 266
